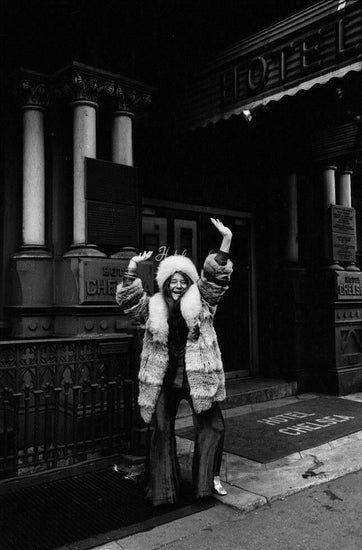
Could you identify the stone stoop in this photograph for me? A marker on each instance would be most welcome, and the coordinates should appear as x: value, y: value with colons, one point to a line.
x: 246, y: 391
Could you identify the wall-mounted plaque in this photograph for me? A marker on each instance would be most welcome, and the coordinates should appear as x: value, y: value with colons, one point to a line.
x: 112, y: 212
x: 112, y: 224
x: 343, y: 225
x: 349, y: 285
x: 98, y: 279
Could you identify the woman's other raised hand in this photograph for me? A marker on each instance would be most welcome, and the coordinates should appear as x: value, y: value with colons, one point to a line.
x: 225, y: 232
x: 145, y: 255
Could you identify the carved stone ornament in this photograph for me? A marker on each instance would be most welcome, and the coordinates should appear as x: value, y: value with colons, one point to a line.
x: 78, y: 87
x: 32, y: 90
x: 129, y: 100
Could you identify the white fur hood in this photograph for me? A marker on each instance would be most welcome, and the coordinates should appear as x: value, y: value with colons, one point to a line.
x: 173, y: 264
x: 190, y: 306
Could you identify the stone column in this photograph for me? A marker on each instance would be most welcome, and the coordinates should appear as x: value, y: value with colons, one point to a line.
x: 343, y: 188
x: 84, y: 145
x: 328, y: 197
x: 32, y: 89
x: 291, y: 247
x: 84, y: 94
x: 122, y: 137
x: 125, y: 103
x: 30, y: 277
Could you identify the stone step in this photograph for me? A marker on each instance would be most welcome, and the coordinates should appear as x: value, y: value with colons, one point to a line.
x: 245, y: 391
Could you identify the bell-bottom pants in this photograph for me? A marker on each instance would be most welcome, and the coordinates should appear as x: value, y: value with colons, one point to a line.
x: 164, y: 473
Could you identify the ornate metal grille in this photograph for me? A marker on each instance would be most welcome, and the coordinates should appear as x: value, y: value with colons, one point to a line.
x: 63, y: 401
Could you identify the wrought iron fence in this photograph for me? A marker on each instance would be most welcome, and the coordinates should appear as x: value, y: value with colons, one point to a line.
x: 63, y: 401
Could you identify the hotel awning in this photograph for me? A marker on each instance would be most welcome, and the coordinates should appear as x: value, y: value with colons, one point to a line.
x: 306, y: 85
x: 307, y: 49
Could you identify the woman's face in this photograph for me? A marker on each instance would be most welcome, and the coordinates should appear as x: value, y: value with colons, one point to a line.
x: 178, y: 285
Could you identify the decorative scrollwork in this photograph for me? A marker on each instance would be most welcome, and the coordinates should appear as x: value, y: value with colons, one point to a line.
x: 77, y: 87
x: 32, y: 89
x: 129, y: 100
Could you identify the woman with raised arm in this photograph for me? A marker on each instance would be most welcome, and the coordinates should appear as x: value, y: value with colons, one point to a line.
x: 181, y: 359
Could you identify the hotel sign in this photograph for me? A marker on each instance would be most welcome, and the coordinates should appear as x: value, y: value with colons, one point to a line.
x: 349, y: 285
x: 99, y: 277
x: 294, y: 59
x: 308, y: 44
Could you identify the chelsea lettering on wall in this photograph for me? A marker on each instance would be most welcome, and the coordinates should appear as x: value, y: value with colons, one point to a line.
x: 98, y: 279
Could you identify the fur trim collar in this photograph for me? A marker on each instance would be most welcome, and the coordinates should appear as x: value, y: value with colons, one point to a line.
x: 175, y: 263
x: 190, y: 306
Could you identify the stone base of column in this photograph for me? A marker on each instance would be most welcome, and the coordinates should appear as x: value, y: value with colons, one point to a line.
x: 32, y: 251
x: 332, y: 267
x: 29, y: 295
x: 30, y: 322
x: 352, y: 267
x: 84, y: 250
x: 5, y: 329
x: 97, y: 321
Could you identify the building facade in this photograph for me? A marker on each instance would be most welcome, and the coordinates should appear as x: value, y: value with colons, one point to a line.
x: 267, y: 137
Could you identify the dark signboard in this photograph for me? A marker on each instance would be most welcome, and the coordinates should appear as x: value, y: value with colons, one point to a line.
x: 112, y: 224
x: 343, y: 223
x: 99, y: 277
x: 111, y: 182
x: 112, y: 213
x: 349, y: 285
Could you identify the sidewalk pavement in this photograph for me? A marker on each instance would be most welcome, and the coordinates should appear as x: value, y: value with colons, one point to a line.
x: 251, y: 484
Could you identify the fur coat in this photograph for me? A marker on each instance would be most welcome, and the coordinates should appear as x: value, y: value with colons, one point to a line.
x: 198, y: 306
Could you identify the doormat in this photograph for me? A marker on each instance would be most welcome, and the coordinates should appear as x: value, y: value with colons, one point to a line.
x: 274, y: 433
x: 83, y: 511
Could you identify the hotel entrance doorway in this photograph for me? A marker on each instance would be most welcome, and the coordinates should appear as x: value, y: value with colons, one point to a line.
x: 174, y: 228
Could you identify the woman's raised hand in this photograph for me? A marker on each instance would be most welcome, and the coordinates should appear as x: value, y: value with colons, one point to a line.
x: 222, y: 229
x: 140, y: 258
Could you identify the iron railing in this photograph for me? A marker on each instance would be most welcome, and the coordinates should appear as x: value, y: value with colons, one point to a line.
x: 63, y: 401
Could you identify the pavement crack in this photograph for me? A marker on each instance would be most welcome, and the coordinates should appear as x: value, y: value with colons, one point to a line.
x: 332, y: 495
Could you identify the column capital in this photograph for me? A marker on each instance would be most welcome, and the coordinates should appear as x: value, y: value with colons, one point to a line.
x: 31, y: 89
x: 325, y: 167
x: 127, y: 101
x: 77, y: 87
x: 345, y: 170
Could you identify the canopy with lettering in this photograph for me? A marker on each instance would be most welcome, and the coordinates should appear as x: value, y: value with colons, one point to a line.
x: 309, y: 48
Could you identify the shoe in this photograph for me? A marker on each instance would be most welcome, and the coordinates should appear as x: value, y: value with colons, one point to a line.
x: 218, y: 488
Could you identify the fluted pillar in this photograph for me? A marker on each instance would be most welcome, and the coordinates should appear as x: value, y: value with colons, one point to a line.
x: 30, y: 277
x: 84, y: 145
x: 34, y: 95
x: 122, y: 137
x: 328, y: 197
x: 126, y: 101
x: 343, y: 188
x: 82, y: 90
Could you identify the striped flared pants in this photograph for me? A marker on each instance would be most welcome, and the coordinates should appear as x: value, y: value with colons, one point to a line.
x: 164, y: 475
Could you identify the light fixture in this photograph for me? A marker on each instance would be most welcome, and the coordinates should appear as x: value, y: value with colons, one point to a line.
x: 247, y: 115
